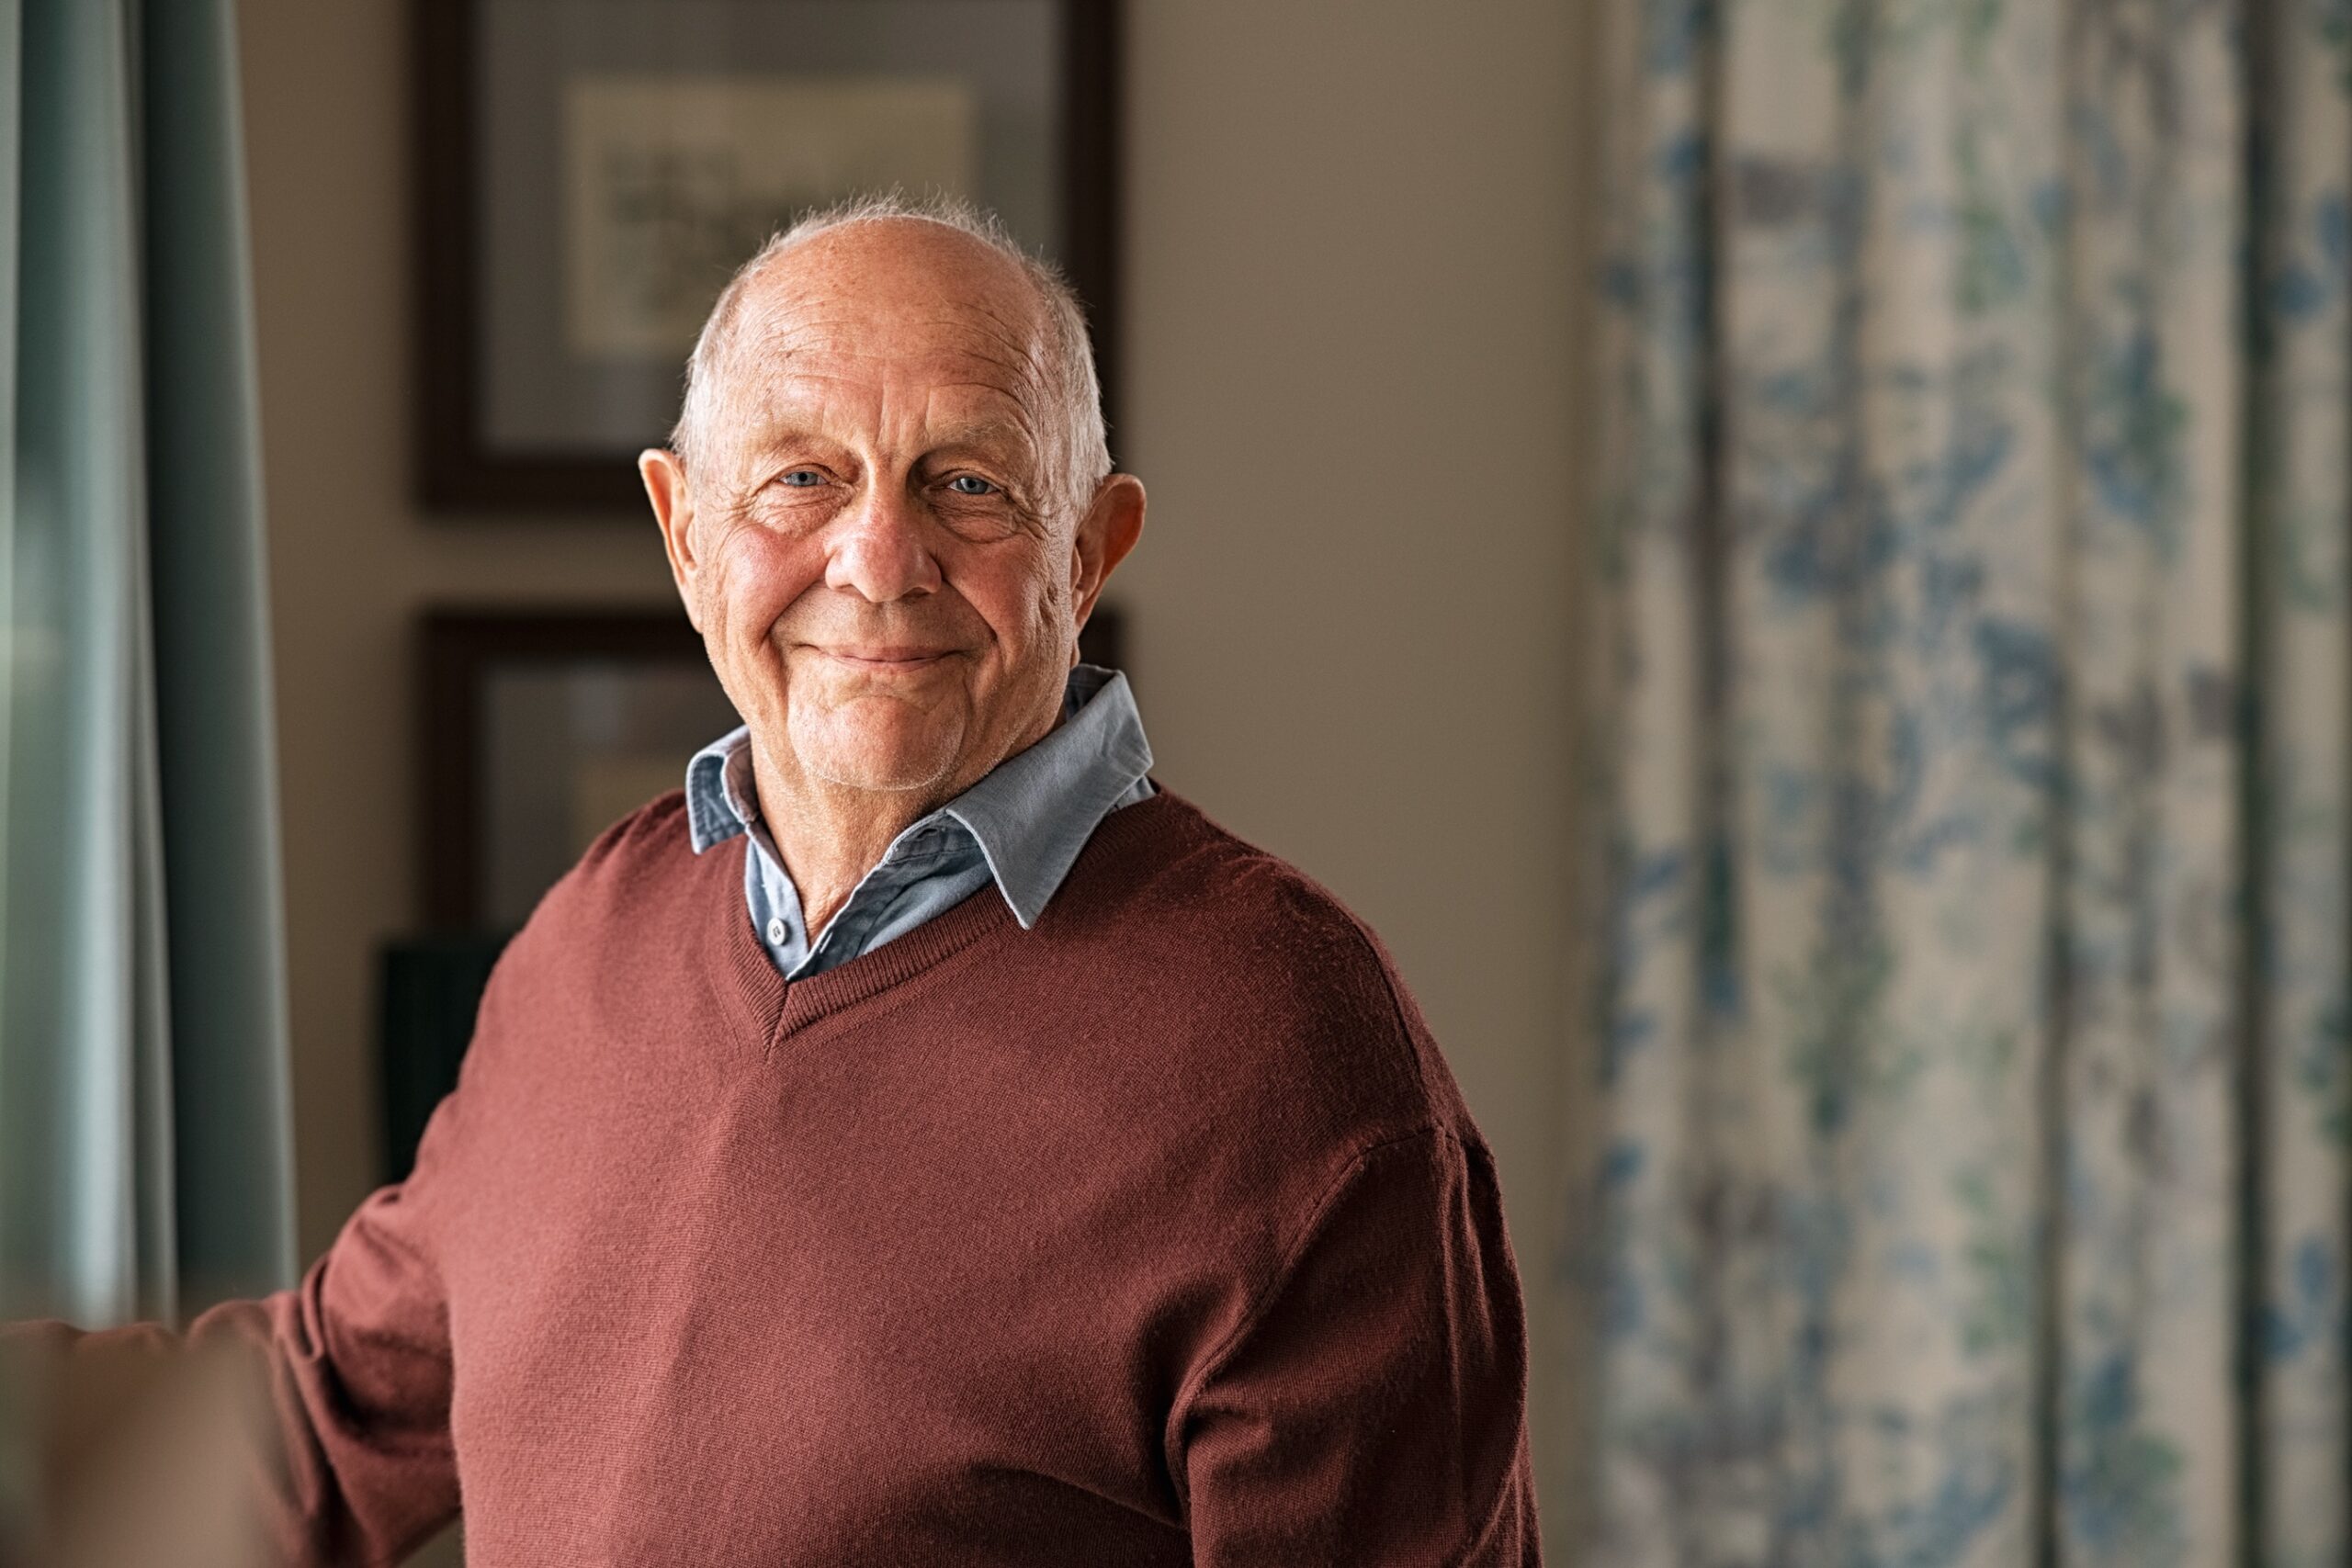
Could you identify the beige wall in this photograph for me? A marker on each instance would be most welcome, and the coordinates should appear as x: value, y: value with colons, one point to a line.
x: 1352, y: 350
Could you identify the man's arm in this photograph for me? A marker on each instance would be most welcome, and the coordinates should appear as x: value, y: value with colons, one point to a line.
x: 1372, y: 1407
x: 337, y: 1392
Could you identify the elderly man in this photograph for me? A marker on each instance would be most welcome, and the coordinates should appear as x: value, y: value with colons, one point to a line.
x: 924, y: 1139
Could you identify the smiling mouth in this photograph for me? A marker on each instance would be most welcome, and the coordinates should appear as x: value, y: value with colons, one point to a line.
x: 888, y: 658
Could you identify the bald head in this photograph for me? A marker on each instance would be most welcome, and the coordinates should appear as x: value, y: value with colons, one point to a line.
x: 888, y: 264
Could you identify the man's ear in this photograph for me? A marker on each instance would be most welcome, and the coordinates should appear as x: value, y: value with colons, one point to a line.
x: 673, y: 510
x: 1112, y: 524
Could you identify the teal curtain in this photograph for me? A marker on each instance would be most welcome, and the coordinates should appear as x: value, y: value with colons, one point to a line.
x: 144, y: 1118
x: 1975, y: 1097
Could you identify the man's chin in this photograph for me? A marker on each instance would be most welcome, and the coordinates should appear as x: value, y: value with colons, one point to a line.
x: 889, y: 751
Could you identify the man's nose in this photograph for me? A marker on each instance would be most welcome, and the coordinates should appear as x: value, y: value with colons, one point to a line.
x: 882, y: 552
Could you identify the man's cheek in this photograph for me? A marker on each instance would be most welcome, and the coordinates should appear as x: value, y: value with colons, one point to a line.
x: 1012, y: 586
x: 759, y: 579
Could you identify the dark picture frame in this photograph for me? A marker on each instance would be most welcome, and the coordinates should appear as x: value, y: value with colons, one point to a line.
x: 460, y: 652
x: 458, y: 468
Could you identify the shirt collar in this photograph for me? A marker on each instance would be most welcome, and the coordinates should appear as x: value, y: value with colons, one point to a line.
x: 718, y: 792
x: 1031, y: 813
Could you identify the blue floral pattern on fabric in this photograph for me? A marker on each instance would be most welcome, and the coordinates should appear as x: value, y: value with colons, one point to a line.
x: 1974, y: 734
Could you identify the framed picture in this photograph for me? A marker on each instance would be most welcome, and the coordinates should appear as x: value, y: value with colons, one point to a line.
x: 539, y: 728
x: 589, y: 172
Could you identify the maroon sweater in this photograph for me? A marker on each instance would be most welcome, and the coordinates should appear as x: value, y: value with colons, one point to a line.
x: 1157, y: 1234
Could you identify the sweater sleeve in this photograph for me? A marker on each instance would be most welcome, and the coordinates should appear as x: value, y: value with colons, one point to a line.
x: 1372, y: 1407
x: 341, y: 1386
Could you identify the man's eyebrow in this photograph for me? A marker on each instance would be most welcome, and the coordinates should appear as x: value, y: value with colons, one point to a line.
x: 983, y: 432
x: 767, y: 438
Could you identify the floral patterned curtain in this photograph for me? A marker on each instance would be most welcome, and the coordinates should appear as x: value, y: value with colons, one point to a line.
x: 1976, y: 1102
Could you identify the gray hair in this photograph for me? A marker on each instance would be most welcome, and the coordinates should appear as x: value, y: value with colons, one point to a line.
x: 1085, y: 454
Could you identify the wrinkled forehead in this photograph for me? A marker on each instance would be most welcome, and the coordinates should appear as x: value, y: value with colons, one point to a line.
x: 890, y: 329
x: 850, y: 340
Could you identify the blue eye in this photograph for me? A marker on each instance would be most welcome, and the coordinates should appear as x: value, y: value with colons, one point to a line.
x: 803, y: 479
x: 970, y: 484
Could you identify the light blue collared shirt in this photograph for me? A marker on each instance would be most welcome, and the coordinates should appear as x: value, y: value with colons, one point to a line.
x: 1022, y: 825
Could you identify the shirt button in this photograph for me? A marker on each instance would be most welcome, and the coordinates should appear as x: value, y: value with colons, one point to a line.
x: 778, y: 930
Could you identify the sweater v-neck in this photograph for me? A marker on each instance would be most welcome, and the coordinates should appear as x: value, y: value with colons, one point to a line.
x: 771, y: 1006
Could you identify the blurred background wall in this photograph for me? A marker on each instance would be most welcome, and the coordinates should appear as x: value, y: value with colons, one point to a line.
x: 1353, y: 382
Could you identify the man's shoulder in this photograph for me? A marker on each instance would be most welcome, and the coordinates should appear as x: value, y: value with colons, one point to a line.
x: 660, y: 826
x: 1269, y: 974
x: 1258, y: 918
x: 633, y: 870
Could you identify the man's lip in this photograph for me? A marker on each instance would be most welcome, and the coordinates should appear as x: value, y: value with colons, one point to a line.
x: 886, y: 656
